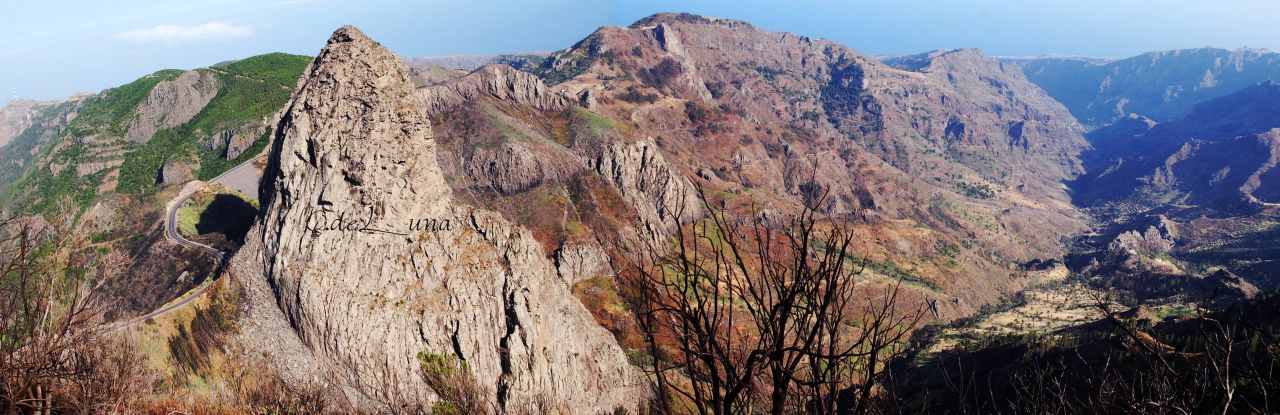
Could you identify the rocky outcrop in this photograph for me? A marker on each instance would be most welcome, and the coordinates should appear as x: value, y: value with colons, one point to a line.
x: 176, y: 172
x: 669, y: 40
x: 499, y: 81
x: 514, y: 166
x: 1225, y: 284
x: 172, y: 103
x: 234, y: 141
x: 1159, y: 237
x: 658, y: 193
x: 577, y: 262
x: 371, y: 260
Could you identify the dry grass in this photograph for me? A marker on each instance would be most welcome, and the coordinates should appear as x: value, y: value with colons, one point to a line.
x: 1051, y: 306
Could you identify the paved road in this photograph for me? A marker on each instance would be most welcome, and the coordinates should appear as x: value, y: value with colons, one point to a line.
x: 236, y: 175
x: 242, y: 178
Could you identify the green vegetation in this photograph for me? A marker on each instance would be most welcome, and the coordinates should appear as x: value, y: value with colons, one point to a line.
x: 893, y: 271
x: 138, y: 172
x: 601, y: 293
x: 637, y: 97
x: 451, y: 380
x: 524, y: 62
x: 1173, y: 310
x: 769, y: 73
x: 505, y: 129
x: 212, y: 163
x: 947, y: 249
x: 276, y: 68
x: 598, y: 123
x: 249, y: 90
x: 639, y: 357
x: 42, y: 189
x: 440, y: 364
x: 977, y: 191
x: 948, y: 253
x: 189, y: 214
x: 586, y: 125
x: 109, y: 111
x: 45, y: 187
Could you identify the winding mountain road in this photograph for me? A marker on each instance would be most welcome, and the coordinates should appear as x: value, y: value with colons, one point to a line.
x: 236, y: 177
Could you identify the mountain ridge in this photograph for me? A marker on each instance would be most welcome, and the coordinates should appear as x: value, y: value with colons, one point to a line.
x: 1163, y: 85
x: 961, y: 180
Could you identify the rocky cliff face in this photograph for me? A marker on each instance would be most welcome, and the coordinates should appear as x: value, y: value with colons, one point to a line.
x: 172, y: 103
x: 499, y: 81
x: 354, y: 151
x: 176, y: 172
x: 656, y: 191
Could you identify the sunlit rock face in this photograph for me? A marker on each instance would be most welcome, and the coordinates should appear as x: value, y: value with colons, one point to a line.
x: 362, y: 250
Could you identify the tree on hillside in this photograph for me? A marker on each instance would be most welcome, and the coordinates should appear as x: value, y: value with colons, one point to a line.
x: 764, y: 313
x: 54, y: 356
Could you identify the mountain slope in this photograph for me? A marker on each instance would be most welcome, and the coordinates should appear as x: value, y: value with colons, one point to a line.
x: 1209, y: 179
x: 17, y: 115
x: 925, y: 162
x: 39, y: 126
x: 121, y: 140
x: 549, y: 182
x: 109, y: 160
x: 1221, y: 156
x: 1161, y: 85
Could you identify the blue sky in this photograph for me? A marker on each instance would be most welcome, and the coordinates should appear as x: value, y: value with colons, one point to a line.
x: 57, y: 48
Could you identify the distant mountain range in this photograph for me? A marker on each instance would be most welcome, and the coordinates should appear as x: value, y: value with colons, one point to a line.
x: 1222, y: 154
x: 522, y: 60
x: 1159, y: 85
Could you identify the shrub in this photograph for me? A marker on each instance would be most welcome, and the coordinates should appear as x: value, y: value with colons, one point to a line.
x: 661, y: 75
x: 453, y: 383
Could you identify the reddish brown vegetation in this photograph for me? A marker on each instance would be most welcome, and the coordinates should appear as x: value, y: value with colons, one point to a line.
x: 756, y: 313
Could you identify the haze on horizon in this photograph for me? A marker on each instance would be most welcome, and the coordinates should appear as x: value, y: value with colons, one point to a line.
x: 56, y: 50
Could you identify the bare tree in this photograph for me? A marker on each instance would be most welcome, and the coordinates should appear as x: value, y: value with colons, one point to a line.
x: 1212, y: 361
x: 51, y: 341
x: 763, y: 312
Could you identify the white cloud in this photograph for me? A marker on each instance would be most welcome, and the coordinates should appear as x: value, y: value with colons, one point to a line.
x: 172, y: 34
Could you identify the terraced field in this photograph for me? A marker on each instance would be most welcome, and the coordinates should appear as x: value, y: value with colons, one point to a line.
x: 1052, y: 304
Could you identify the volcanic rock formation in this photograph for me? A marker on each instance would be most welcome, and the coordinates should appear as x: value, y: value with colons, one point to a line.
x: 366, y: 286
